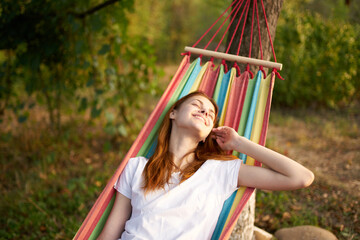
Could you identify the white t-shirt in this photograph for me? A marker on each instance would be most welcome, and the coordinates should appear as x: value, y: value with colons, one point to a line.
x: 189, y: 210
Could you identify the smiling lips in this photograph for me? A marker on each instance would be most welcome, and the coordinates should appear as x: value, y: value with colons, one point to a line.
x: 200, y: 117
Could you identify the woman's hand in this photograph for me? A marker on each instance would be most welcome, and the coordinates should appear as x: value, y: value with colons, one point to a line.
x: 226, y: 137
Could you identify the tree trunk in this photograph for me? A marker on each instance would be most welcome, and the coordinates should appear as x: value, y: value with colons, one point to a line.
x: 245, y: 225
x: 244, y: 229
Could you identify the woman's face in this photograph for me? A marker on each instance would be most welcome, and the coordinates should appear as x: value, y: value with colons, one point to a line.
x: 196, y: 113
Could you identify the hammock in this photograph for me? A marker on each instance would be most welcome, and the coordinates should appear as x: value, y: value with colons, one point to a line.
x: 244, y: 102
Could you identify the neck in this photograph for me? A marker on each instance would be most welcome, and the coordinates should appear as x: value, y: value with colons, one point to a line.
x: 180, y: 145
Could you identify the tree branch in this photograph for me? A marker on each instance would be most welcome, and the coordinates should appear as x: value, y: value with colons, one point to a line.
x: 94, y: 9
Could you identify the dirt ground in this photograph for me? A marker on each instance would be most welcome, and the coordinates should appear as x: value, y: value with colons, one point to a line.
x: 328, y: 143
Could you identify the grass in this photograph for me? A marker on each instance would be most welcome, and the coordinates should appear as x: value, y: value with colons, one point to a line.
x: 49, y: 181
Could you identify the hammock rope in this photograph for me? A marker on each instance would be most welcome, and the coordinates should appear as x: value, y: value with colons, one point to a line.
x: 207, y: 31
x: 223, y: 23
x: 261, y: 68
x: 271, y: 43
x: 247, y: 6
x: 231, y: 22
x: 236, y: 29
x: 259, y: 33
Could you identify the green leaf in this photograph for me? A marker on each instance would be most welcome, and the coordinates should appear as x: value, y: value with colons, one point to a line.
x: 83, y: 104
x: 90, y: 82
x: 22, y: 118
x: 107, y: 146
x: 6, y: 137
x: 110, y: 129
x: 99, y: 91
x: 50, y: 158
x: 122, y: 131
x: 85, y: 65
x: 31, y: 105
x: 110, y: 117
x: 104, y: 49
x: 95, y: 112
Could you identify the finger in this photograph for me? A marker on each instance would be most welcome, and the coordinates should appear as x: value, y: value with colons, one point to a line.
x: 219, y: 132
x: 219, y: 128
x: 219, y: 142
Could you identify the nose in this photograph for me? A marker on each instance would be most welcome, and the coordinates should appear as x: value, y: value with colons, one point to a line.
x: 204, y: 112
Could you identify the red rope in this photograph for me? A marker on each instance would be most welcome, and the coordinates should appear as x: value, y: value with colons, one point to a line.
x: 258, y: 23
x: 277, y: 74
x: 237, y: 68
x: 248, y: 70
x: 186, y: 53
x: 267, y: 26
x: 232, y: 20
x: 246, y: 7
x: 242, y: 32
x: 213, y: 24
x: 237, y: 26
x: 252, y: 28
x: 223, y: 62
x: 261, y: 68
x: 272, y: 45
x: 221, y: 25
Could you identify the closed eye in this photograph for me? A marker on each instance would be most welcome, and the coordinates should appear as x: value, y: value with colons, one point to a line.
x: 196, y: 105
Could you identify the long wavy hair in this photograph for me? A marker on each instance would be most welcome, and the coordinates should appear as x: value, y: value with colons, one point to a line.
x: 160, y: 165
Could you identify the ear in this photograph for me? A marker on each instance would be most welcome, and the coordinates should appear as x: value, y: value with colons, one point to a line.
x: 172, y: 114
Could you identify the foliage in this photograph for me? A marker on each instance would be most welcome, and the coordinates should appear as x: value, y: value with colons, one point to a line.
x: 320, y: 60
x: 172, y: 25
x: 59, y: 53
x: 50, y: 181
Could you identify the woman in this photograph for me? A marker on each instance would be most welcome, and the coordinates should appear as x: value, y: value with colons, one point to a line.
x: 178, y: 193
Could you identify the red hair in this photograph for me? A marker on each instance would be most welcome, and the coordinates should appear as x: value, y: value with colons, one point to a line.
x: 160, y: 165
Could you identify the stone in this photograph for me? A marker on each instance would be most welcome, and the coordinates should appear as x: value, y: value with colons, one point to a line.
x: 261, y: 234
x: 304, y: 233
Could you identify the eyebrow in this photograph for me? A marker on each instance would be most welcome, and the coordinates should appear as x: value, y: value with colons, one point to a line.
x: 203, y: 104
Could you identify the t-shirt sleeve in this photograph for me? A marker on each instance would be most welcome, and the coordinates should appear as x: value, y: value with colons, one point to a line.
x: 124, y: 183
x: 229, y: 176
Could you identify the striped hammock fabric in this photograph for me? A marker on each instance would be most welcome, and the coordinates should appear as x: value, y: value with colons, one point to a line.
x: 244, y: 104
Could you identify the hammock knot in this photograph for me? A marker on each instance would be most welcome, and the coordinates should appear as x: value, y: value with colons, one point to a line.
x: 201, y: 58
x: 223, y: 62
x: 248, y: 70
x: 278, y: 74
x: 263, y: 71
x: 237, y: 68
x: 186, y: 53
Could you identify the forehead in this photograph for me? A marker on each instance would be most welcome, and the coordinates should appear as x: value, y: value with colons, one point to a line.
x: 201, y: 100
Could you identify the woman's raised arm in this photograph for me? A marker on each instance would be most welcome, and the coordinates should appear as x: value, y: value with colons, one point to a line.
x: 119, y: 214
x: 282, y: 173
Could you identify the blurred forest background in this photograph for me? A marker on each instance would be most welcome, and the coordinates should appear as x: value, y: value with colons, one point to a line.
x: 78, y: 79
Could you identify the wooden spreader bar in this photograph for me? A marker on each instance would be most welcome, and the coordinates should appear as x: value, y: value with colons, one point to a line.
x: 234, y: 58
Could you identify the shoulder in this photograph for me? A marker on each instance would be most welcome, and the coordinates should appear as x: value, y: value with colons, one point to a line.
x: 138, y: 159
x: 221, y: 164
x: 137, y: 162
x: 134, y: 166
